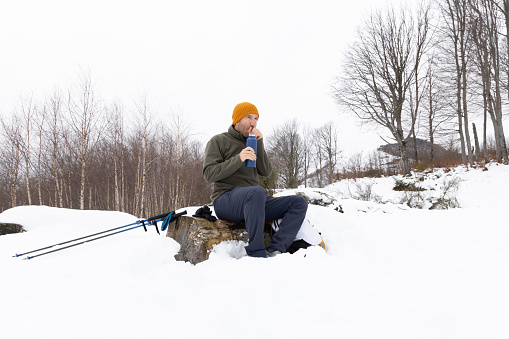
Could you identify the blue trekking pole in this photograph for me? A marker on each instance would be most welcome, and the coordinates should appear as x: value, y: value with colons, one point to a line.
x: 166, y: 218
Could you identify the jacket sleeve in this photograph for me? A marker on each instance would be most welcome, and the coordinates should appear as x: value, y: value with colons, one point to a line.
x: 263, y: 164
x: 215, y: 168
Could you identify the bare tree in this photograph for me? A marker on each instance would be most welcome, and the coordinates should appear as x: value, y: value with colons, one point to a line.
x: 165, y: 170
x: 327, y: 142
x: 486, y: 25
x: 85, y: 121
x: 455, y: 29
x: 145, y: 118
x: 12, y: 153
x: 435, y: 106
x: 318, y: 161
x: 380, y: 69
x: 307, y: 152
x: 55, y: 138
x: 180, y: 130
x: 482, y: 62
x: 503, y: 7
x: 285, y: 145
x: 117, y: 120
x: 40, y: 123
x: 28, y: 108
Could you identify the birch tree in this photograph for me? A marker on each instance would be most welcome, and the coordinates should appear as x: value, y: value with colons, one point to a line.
x: 12, y: 154
x: 55, y: 138
x: 180, y: 130
x: 117, y: 129
x: 40, y: 123
x: 145, y: 118
x: 27, y: 116
x: 86, y: 124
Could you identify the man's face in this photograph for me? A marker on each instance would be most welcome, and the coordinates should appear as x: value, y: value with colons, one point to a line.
x: 246, y: 123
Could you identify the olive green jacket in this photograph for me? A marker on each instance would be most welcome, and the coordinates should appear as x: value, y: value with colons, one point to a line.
x: 223, y: 167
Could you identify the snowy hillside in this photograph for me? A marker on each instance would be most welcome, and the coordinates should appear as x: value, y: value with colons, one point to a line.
x: 388, y: 271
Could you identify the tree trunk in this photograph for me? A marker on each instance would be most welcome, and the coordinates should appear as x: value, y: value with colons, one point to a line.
x: 116, y: 183
x: 462, y: 138
x: 505, y: 11
x: 90, y: 198
x: 28, y: 185
x: 416, y: 154
x: 143, y: 184
x: 122, y: 184
x: 432, y: 143
x: 82, y: 184
x: 431, y: 111
x: 485, y: 124
x: 39, y: 161
x: 501, y: 143
x: 14, y: 166
x: 405, y: 163
x: 476, y: 140
x: 465, y: 110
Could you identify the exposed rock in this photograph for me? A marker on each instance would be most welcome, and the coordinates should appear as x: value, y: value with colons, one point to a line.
x: 324, y: 201
x: 10, y: 228
x: 197, y: 236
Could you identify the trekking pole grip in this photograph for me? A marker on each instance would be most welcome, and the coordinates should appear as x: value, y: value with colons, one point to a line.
x: 164, y: 215
x: 160, y: 216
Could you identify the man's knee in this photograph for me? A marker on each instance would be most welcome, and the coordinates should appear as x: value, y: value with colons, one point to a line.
x: 300, y: 202
x: 257, y: 192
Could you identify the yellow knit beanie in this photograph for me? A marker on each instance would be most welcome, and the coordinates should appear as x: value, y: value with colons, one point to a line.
x: 241, y: 110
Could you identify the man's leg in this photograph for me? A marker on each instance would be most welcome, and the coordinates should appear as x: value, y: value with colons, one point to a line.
x: 248, y: 204
x: 293, y: 211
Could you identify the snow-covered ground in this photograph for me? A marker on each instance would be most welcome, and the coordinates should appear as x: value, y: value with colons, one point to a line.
x: 388, y: 271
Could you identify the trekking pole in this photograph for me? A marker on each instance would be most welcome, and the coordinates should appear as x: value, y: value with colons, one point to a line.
x: 79, y: 243
x: 69, y: 241
x: 165, y: 217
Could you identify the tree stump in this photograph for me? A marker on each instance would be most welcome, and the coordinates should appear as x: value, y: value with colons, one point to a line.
x: 197, y: 236
x: 10, y: 228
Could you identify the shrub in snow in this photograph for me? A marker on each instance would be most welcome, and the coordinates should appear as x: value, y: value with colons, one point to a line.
x: 413, y: 199
x: 442, y: 196
x: 448, y: 197
x: 401, y: 185
x: 364, y: 191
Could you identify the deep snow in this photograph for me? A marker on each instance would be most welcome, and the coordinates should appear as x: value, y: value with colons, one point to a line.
x: 388, y: 271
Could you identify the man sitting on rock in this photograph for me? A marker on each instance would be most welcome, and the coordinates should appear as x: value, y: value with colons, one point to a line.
x: 237, y: 195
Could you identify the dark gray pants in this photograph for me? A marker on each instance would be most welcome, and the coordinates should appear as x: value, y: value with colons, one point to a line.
x: 252, y: 205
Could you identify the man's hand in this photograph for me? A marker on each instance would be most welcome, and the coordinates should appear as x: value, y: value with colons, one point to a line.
x: 256, y: 132
x: 247, y: 154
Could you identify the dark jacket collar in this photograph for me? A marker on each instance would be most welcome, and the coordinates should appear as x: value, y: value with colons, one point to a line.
x: 236, y: 134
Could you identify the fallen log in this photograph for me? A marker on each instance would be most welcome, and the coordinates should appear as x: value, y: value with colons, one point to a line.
x: 198, y: 236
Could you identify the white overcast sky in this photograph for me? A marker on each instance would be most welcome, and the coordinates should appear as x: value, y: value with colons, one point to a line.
x: 198, y: 57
